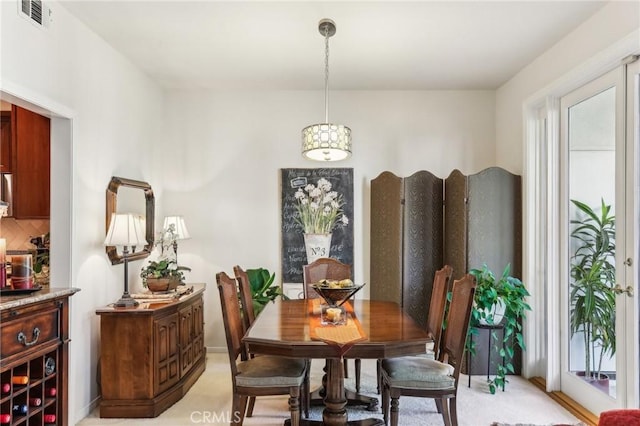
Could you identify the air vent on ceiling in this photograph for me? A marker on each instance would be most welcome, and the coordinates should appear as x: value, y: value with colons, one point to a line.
x: 35, y: 11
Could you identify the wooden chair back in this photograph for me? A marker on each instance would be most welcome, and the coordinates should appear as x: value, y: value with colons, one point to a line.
x: 231, y: 318
x: 325, y: 268
x: 435, y: 317
x: 246, y: 298
x: 455, y: 334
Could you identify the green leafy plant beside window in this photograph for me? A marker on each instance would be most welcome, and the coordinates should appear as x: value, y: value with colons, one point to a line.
x: 494, y: 297
x: 263, y: 290
x: 593, y: 275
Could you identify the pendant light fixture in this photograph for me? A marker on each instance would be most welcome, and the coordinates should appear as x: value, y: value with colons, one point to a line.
x: 326, y: 141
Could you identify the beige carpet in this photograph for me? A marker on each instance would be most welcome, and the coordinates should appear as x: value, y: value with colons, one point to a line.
x: 209, y: 401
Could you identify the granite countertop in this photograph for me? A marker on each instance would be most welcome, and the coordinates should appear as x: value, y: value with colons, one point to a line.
x: 46, y: 293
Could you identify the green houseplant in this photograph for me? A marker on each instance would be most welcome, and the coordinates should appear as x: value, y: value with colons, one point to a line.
x: 163, y: 274
x: 506, y: 297
x: 592, y: 294
x: 263, y: 290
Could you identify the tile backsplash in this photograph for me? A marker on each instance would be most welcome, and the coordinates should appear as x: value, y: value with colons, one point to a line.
x: 19, y: 232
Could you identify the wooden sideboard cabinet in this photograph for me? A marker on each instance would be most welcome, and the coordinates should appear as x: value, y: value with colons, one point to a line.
x: 150, y: 355
x: 34, y: 330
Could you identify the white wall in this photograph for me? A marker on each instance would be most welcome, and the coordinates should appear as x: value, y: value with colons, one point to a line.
x: 112, y: 113
x: 610, y: 24
x: 223, y: 151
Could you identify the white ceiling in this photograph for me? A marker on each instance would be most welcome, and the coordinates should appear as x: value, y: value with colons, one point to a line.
x: 381, y: 45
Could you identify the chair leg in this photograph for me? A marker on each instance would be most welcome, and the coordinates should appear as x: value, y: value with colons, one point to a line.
x: 252, y: 402
x: 346, y: 369
x: 439, y: 405
x: 395, y: 405
x: 238, y: 409
x: 358, y: 362
x: 453, y: 411
x: 385, y: 404
x: 294, y: 405
x: 305, y: 395
x: 379, y: 375
x: 445, y: 411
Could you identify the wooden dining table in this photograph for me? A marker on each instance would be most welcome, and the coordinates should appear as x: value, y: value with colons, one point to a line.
x: 289, y: 328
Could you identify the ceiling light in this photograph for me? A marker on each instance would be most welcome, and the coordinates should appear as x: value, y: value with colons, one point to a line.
x: 326, y: 141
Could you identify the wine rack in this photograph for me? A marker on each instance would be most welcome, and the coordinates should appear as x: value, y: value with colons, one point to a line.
x: 34, y: 359
x: 36, y: 401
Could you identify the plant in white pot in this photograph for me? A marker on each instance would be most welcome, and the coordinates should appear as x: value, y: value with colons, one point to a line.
x: 499, y: 301
x: 164, y: 274
x: 592, y: 290
x: 319, y: 210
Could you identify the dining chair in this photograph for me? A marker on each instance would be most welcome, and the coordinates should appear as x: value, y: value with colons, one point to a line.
x: 327, y: 268
x: 435, y: 316
x: 246, y: 299
x: 259, y: 376
x: 427, y: 378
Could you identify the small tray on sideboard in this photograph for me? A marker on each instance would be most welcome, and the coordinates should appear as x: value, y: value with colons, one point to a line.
x: 19, y: 291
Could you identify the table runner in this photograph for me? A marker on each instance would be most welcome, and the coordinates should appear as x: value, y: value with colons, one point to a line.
x: 341, y: 337
x: 169, y: 296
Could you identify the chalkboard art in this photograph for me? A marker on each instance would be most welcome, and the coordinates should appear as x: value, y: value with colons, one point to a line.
x: 293, y: 247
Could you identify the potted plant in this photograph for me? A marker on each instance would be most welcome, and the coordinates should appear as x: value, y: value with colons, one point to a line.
x: 592, y: 294
x: 164, y: 274
x: 263, y: 290
x: 499, y: 301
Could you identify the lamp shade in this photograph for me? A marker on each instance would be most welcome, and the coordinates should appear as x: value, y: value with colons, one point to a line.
x: 125, y: 229
x: 326, y: 142
x: 180, y: 228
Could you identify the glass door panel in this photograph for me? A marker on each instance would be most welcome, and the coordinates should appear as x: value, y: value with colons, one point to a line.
x: 594, y: 209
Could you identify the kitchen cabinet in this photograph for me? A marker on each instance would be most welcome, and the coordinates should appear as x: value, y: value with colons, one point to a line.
x: 150, y: 355
x: 5, y: 142
x: 34, y: 357
x: 31, y: 154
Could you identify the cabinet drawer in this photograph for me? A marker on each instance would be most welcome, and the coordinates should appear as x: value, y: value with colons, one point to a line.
x: 26, y: 333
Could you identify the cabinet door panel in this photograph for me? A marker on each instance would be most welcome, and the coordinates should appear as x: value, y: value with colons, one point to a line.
x: 6, y: 164
x: 31, y: 169
x: 166, y: 353
x: 186, y: 345
x: 198, y: 330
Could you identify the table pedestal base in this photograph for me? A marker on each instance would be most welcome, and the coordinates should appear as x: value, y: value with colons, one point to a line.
x: 353, y: 398
x: 364, y: 422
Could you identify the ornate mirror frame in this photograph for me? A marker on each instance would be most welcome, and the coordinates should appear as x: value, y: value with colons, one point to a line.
x: 112, y: 204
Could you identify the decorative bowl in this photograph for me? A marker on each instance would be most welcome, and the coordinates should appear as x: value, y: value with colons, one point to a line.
x: 336, y: 296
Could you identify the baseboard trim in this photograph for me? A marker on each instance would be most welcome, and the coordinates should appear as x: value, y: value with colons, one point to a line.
x: 569, y: 404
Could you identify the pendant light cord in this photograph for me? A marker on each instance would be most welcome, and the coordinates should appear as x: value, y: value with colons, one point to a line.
x: 326, y: 74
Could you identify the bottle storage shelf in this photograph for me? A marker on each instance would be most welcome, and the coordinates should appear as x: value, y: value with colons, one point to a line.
x: 29, y: 392
x: 33, y: 362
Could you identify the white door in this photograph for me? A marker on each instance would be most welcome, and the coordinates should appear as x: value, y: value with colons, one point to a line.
x: 598, y: 241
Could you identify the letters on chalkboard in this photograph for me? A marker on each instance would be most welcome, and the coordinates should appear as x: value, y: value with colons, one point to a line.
x: 293, y: 250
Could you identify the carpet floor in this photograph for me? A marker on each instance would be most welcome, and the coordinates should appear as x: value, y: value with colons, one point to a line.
x: 209, y: 402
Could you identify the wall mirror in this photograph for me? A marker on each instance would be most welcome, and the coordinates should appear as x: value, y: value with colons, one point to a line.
x: 130, y: 196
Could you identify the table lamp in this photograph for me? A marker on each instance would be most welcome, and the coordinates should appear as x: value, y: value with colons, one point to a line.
x: 180, y: 231
x: 125, y: 230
